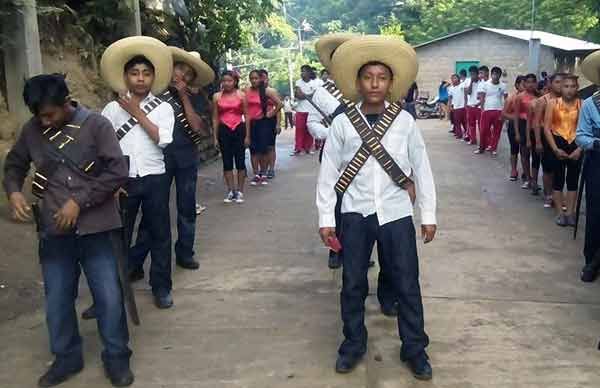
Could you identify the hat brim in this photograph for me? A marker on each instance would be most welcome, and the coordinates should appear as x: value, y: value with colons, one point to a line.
x: 204, y: 73
x: 114, y: 58
x: 590, y: 67
x: 398, y: 55
x: 326, y: 46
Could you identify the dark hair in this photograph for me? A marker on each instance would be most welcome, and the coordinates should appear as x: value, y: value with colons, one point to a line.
x: 324, y: 71
x: 254, y: 71
x: 544, y: 74
x: 463, y: 72
x: 571, y: 77
x: 454, y: 75
x: 519, y: 79
x: 496, y: 70
x: 375, y: 63
x: 473, y: 69
x: 45, y: 89
x: 234, y: 75
x: 263, y: 72
x: 484, y: 68
x: 262, y: 90
x: 531, y: 76
x: 138, y: 60
x: 557, y: 75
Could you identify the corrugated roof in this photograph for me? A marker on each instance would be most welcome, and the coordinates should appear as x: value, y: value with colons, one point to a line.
x: 546, y: 39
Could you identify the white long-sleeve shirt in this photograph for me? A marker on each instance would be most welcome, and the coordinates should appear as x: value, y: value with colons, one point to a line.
x: 145, y: 156
x: 372, y: 190
x: 328, y: 104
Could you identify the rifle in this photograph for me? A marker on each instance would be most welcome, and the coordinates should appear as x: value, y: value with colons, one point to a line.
x: 35, y: 209
x: 580, y: 195
x: 120, y: 240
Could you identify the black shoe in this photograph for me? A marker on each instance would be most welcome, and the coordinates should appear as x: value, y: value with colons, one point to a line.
x: 390, y: 311
x: 121, y: 377
x: 345, y: 364
x: 188, y: 264
x: 136, y: 274
x: 420, y: 367
x: 59, y: 373
x: 163, y: 301
x: 89, y: 313
x: 589, y: 274
x: 335, y: 261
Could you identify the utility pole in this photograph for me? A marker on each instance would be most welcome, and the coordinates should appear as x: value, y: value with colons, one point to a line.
x: 289, y: 57
x: 534, y: 45
x: 136, y: 26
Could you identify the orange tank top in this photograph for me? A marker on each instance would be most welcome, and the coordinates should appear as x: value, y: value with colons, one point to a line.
x: 564, y: 119
x: 525, y: 101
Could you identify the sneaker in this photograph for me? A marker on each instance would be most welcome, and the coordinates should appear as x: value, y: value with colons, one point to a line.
x: 270, y: 174
x: 311, y: 152
x: 239, y: 197
x: 513, y: 178
x: 535, y: 189
x: 478, y: 152
x: 229, y: 198
x: 548, y: 202
x: 263, y: 180
x: 255, y: 181
x: 466, y: 140
x: 489, y: 149
x: 525, y: 186
x: 561, y: 220
x: 494, y: 153
x: 295, y: 153
x: 571, y: 220
x: 200, y: 209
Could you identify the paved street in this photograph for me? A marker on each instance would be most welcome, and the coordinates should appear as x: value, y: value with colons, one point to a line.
x: 503, y: 303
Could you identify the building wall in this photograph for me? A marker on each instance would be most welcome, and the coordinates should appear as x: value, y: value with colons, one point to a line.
x: 437, y: 61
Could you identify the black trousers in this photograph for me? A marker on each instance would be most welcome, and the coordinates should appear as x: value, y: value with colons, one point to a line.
x: 397, y: 241
x: 592, y: 204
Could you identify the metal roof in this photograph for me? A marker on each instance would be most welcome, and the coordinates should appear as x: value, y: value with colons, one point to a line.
x: 546, y: 39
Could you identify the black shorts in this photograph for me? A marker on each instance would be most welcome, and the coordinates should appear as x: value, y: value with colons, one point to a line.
x: 261, y: 136
x: 512, y: 139
x: 273, y: 124
x: 565, y: 171
x: 232, y: 147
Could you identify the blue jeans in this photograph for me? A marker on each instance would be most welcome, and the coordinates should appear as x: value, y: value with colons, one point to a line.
x: 185, y: 184
x: 151, y: 193
x: 62, y: 258
x: 398, y: 250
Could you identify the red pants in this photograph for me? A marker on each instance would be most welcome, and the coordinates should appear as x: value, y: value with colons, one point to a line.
x: 304, y: 140
x: 473, y: 117
x: 491, y: 128
x: 459, y: 121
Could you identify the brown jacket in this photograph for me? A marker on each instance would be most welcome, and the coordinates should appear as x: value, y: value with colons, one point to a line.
x: 92, y: 192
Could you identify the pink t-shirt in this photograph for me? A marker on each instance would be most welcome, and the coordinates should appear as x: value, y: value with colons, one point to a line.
x: 230, y: 110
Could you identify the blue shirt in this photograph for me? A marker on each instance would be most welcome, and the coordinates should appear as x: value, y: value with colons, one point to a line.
x: 443, y: 93
x: 588, y: 128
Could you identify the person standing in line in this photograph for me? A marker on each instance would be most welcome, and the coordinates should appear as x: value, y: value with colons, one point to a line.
x: 288, y: 110
x: 261, y: 115
x: 588, y: 138
x: 275, y: 123
x: 139, y: 68
x: 554, y: 90
x: 367, y: 69
x: 305, y: 87
x: 232, y: 134
x: 412, y: 95
x: 509, y: 115
x: 560, y: 129
x: 523, y: 118
x: 473, y: 110
x: 456, y: 102
x: 76, y: 217
x: 491, y: 96
x: 443, y: 99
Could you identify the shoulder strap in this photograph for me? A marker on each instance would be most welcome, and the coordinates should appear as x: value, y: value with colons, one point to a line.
x: 596, y: 100
x: 132, y: 122
x: 371, y: 145
x: 169, y: 98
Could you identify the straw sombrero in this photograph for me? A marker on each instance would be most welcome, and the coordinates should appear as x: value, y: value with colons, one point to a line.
x: 112, y: 64
x: 590, y: 67
x: 394, y: 52
x: 204, y: 74
x: 327, y: 44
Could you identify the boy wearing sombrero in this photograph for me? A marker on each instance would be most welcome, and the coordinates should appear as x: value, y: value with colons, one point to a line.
x: 588, y: 138
x: 138, y: 69
x: 372, y: 154
x: 181, y: 156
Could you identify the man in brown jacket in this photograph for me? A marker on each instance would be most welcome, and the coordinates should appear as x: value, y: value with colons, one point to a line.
x: 79, y: 166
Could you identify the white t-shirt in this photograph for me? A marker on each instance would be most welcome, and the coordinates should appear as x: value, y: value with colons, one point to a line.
x: 472, y: 98
x: 458, y: 96
x: 494, y: 95
x: 307, y: 88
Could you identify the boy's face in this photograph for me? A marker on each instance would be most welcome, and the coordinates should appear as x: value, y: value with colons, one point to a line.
x: 455, y: 80
x: 474, y: 75
x: 569, y: 88
x: 183, y: 73
x: 305, y: 74
x: 496, y: 76
x: 53, y: 116
x: 374, y: 83
x: 139, y: 79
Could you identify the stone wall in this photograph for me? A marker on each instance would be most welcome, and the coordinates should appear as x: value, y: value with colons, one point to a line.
x: 437, y: 60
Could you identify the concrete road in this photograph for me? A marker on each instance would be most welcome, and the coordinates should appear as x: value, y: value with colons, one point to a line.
x: 504, y: 307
